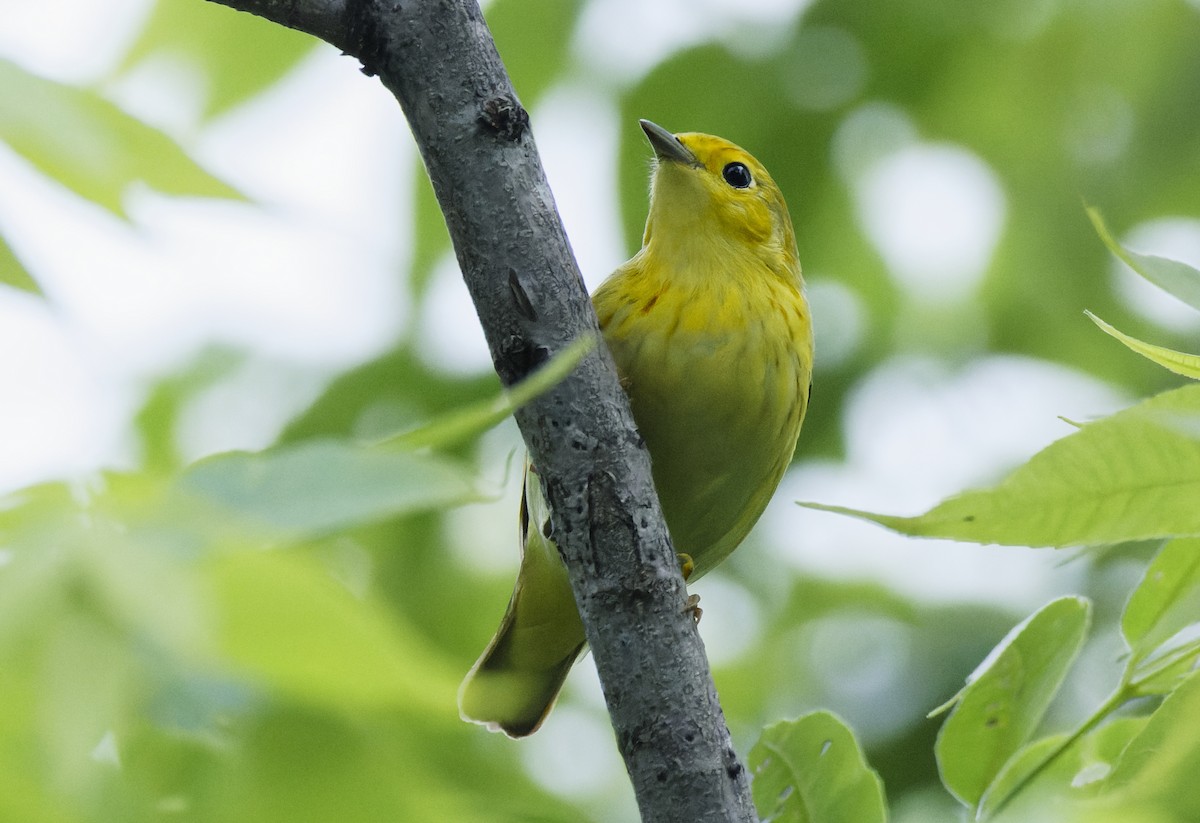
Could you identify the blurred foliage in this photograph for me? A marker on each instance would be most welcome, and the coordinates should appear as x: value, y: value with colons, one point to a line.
x: 12, y: 272
x: 89, y: 145
x: 209, y: 644
x: 239, y: 55
x: 278, y: 636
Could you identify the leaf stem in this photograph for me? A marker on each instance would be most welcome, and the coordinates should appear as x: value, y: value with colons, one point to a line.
x: 1160, y: 664
x: 1127, y: 689
x: 1114, y: 701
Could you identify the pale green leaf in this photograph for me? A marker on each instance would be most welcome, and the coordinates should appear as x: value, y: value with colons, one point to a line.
x: 286, y: 623
x: 23, y: 798
x: 812, y: 770
x: 87, y: 144
x: 1044, y: 768
x: 322, y: 486
x: 1179, y: 362
x: 1166, y: 670
x: 1132, y: 476
x: 464, y: 423
x: 1172, y: 276
x: 40, y: 528
x: 13, y: 272
x: 1160, y: 764
x: 1166, y: 600
x: 1018, y: 776
x: 1004, y: 700
x: 147, y: 590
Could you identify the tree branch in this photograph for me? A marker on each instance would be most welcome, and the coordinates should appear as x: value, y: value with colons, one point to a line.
x: 438, y: 58
x: 324, y: 19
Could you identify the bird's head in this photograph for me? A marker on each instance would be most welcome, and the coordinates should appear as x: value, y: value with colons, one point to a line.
x: 707, y: 193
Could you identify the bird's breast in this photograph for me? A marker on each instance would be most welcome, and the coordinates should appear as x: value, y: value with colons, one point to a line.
x: 718, y: 380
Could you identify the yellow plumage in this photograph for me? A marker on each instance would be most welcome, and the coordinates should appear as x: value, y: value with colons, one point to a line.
x: 712, y: 337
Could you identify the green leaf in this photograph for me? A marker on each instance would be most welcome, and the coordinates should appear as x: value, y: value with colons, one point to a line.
x: 1028, y: 777
x: 1164, y: 672
x: 1018, y: 774
x: 239, y: 54
x: 13, y: 273
x: 1004, y: 700
x: 812, y: 770
x: 319, y: 487
x: 1166, y: 600
x: 1132, y: 476
x: 284, y: 621
x: 1179, y: 362
x: 1172, y: 276
x: 23, y: 798
x: 87, y: 144
x: 149, y: 592
x: 479, y: 417
x: 40, y: 529
x: 1160, y: 764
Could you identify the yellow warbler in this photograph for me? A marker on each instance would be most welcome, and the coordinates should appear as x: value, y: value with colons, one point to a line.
x: 712, y: 338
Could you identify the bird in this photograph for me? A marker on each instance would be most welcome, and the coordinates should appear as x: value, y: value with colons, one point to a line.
x: 711, y: 334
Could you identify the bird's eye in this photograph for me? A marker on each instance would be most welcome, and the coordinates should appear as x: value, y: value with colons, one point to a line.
x: 737, y: 175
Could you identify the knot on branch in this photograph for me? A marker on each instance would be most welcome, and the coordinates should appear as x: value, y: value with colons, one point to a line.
x: 517, y: 357
x: 504, y: 116
x: 733, y: 767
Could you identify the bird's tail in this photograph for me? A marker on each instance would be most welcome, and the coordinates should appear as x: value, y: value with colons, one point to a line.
x: 514, y: 684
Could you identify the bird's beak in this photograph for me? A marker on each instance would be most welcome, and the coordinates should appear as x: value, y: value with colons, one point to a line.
x: 667, y: 146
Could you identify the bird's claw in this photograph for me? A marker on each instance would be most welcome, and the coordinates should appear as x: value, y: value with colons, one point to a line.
x: 686, y: 565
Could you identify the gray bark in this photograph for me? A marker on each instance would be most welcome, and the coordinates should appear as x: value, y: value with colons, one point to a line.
x: 437, y: 57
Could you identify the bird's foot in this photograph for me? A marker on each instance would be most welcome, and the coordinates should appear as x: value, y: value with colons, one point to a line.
x: 686, y: 565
